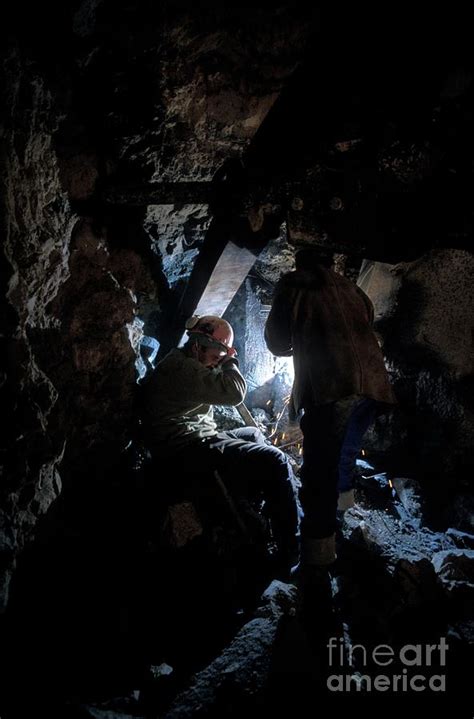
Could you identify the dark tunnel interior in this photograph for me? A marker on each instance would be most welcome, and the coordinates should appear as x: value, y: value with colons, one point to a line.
x: 164, y: 160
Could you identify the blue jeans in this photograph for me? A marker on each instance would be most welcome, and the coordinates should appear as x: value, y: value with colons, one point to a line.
x: 332, y: 438
x: 362, y: 417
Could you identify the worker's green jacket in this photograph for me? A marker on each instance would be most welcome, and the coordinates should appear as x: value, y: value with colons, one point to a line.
x: 177, y: 400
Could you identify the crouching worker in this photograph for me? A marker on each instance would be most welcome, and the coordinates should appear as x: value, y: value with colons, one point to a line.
x: 177, y: 414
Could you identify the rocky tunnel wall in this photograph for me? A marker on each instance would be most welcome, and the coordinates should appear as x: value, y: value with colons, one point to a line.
x: 68, y: 306
x: 424, y: 315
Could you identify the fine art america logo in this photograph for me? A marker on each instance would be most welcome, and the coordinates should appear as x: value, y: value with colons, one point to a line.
x: 410, y: 668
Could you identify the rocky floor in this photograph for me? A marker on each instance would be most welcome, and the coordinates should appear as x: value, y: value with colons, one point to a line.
x: 193, y: 638
x: 398, y: 589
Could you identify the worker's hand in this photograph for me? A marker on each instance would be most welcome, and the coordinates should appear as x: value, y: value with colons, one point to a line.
x: 229, y: 357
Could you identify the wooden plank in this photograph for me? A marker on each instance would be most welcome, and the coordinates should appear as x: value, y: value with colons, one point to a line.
x: 230, y: 271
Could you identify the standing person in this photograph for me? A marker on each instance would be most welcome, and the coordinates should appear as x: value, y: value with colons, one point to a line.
x: 177, y: 415
x: 325, y: 321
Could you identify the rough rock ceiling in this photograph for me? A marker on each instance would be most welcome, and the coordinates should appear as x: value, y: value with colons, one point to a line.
x: 359, y: 138
x: 362, y: 136
x: 377, y: 110
x: 181, y: 93
x: 180, y: 90
x: 358, y: 133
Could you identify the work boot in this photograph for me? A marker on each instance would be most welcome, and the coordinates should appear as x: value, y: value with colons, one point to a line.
x: 320, y: 552
x: 346, y: 500
x: 313, y: 579
x: 315, y: 553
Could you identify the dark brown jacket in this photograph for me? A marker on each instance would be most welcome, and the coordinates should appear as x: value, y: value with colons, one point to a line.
x: 325, y: 321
